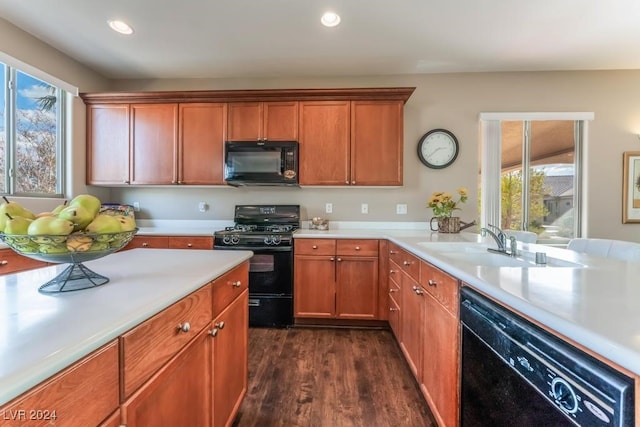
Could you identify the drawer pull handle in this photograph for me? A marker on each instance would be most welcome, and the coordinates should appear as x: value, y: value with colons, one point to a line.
x: 4, y: 262
x: 392, y: 272
x: 339, y: 259
x: 357, y: 248
x: 219, y: 325
x: 145, y: 244
x: 236, y: 284
x: 184, y: 327
x: 392, y: 252
x: 213, y: 332
x: 189, y: 245
x: 332, y: 259
x: 417, y: 290
x: 432, y: 282
x: 407, y: 263
x: 314, y: 247
x: 392, y: 290
x: 393, y: 309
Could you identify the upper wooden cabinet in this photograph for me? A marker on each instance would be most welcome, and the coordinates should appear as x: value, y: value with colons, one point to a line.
x: 347, y: 136
x: 264, y: 121
x: 351, y: 143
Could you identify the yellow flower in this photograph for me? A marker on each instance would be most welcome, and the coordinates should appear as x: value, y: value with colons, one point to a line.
x: 443, y: 204
x: 463, y: 191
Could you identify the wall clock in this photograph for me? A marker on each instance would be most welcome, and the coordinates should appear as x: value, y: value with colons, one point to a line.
x: 438, y: 148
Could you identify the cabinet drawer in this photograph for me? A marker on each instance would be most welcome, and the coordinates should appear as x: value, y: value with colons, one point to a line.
x: 443, y: 287
x: 190, y: 242
x: 315, y: 246
x: 228, y: 287
x: 149, y: 345
x: 82, y: 395
x: 410, y: 264
x: 155, y: 242
x: 357, y: 247
x: 11, y: 262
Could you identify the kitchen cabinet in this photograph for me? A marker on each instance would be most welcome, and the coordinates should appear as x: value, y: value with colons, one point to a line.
x: 165, y: 143
x: 263, y: 121
x: 13, y: 262
x: 376, y: 142
x: 170, y: 242
x: 440, y: 360
x: 84, y: 394
x: 178, y: 394
x: 412, y: 319
x: 394, y: 299
x: 324, y: 149
x: 355, y: 142
x: 336, y: 279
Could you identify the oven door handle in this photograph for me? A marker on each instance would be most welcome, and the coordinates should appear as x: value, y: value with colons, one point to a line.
x: 253, y: 302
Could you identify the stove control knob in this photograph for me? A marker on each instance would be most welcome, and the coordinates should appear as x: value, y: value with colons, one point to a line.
x: 267, y: 240
x: 564, y: 395
x: 226, y: 240
x: 235, y: 240
x: 276, y: 240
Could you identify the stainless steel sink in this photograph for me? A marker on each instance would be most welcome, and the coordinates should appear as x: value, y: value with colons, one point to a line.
x: 492, y: 259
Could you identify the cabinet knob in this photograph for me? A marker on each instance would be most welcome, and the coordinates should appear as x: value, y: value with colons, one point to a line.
x: 353, y: 182
x: 189, y: 245
x: 125, y: 182
x: 417, y: 290
x: 339, y: 259
x: 432, y: 282
x: 332, y: 259
x: 392, y: 272
x: 145, y: 244
x: 184, y: 327
x: 393, y: 309
x: 314, y: 247
x: 406, y: 262
x: 392, y: 252
x: 391, y: 290
x: 236, y: 284
x: 213, y: 332
x: 357, y: 248
x: 179, y: 182
x: 4, y: 262
x: 219, y: 325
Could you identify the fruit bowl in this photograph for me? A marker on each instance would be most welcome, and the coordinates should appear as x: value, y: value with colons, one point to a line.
x: 74, y: 249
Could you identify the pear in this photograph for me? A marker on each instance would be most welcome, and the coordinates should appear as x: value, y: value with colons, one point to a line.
x: 99, y: 246
x: 127, y: 222
x: 52, y: 249
x: 78, y: 215
x: 104, y: 225
x: 79, y: 242
x: 44, y: 214
x: 87, y: 201
x: 50, y: 225
x: 58, y: 208
x: 14, y: 209
x: 16, y: 224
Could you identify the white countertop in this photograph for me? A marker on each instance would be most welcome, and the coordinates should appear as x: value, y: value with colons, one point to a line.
x: 40, y: 334
x: 597, y: 306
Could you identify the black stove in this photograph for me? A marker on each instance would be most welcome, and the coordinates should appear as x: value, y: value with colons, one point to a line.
x: 267, y: 230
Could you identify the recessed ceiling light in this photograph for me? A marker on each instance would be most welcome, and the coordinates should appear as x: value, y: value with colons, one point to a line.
x: 120, y: 26
x: 330, y: 19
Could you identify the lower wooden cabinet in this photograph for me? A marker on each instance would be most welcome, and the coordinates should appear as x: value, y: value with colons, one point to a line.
x: 412, y: 319
x: 171, y: 242
x: 13, y: 262
x: 336, y: 279
x: 84, y: 394
x: 177, y: 395
x: 229, y: 335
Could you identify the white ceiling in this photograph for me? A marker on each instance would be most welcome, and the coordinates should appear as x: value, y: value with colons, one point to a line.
x: 284, y: 38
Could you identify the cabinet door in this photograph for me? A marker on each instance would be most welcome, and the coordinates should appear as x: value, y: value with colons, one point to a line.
x: 412, y: 323
x: 280, y: 121
x: 357, y: 287
x: 314, y: 293
x: 190, y: 242
x: 177, y: 395
x: 440, y: 362
x: 201, y: 143
x: 245, y: 121
x: 154, y: 129
x: 108, y: 144
x: 230, y: 364
x: 376, y: 142
x: 151, y: 242
x: 324, y: 143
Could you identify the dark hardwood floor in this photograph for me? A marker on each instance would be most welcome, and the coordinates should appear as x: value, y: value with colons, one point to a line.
x: 329, y: 377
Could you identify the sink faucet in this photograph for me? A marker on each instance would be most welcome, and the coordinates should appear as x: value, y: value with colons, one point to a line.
x: 498, y: 236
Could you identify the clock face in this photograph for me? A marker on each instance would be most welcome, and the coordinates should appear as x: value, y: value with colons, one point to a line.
x: 438, y: 148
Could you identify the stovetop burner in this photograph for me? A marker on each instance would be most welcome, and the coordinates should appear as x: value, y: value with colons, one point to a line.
x: 252, y: 228
x: 260, y: 226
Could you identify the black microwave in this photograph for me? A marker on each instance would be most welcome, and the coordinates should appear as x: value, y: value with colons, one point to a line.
x: 261, y: 163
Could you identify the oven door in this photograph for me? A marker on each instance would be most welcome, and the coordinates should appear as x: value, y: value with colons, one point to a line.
x: 271, y: 272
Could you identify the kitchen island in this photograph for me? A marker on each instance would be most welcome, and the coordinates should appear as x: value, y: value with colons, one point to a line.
x: 42, y: 334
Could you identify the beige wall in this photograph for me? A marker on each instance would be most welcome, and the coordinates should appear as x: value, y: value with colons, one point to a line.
x: 451, y: 101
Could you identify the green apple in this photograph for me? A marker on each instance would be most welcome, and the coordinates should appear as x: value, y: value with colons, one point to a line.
x: 78, y: 215
x: 16, y: 224
x: 50, y: 225
x: 104, y: 224
x: 87, y: 201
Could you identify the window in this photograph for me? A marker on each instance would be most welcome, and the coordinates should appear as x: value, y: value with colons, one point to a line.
x: 531, y: 173
x: 31, y: 135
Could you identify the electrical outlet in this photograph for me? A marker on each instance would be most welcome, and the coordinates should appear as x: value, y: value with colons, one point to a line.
x: 203, y: 207
x: 364, y: 208
x: 328, y: 208
x: 401, y: 209
x: 136, y: 206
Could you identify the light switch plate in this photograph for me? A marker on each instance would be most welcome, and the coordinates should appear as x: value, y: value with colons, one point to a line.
x: 401, y: 209
x: 364, y: 208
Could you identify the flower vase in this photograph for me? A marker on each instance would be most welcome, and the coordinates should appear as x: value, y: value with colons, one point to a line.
x: 449, y: 224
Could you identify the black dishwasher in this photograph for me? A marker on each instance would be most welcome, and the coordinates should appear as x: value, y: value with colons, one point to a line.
x: 516, y: 374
